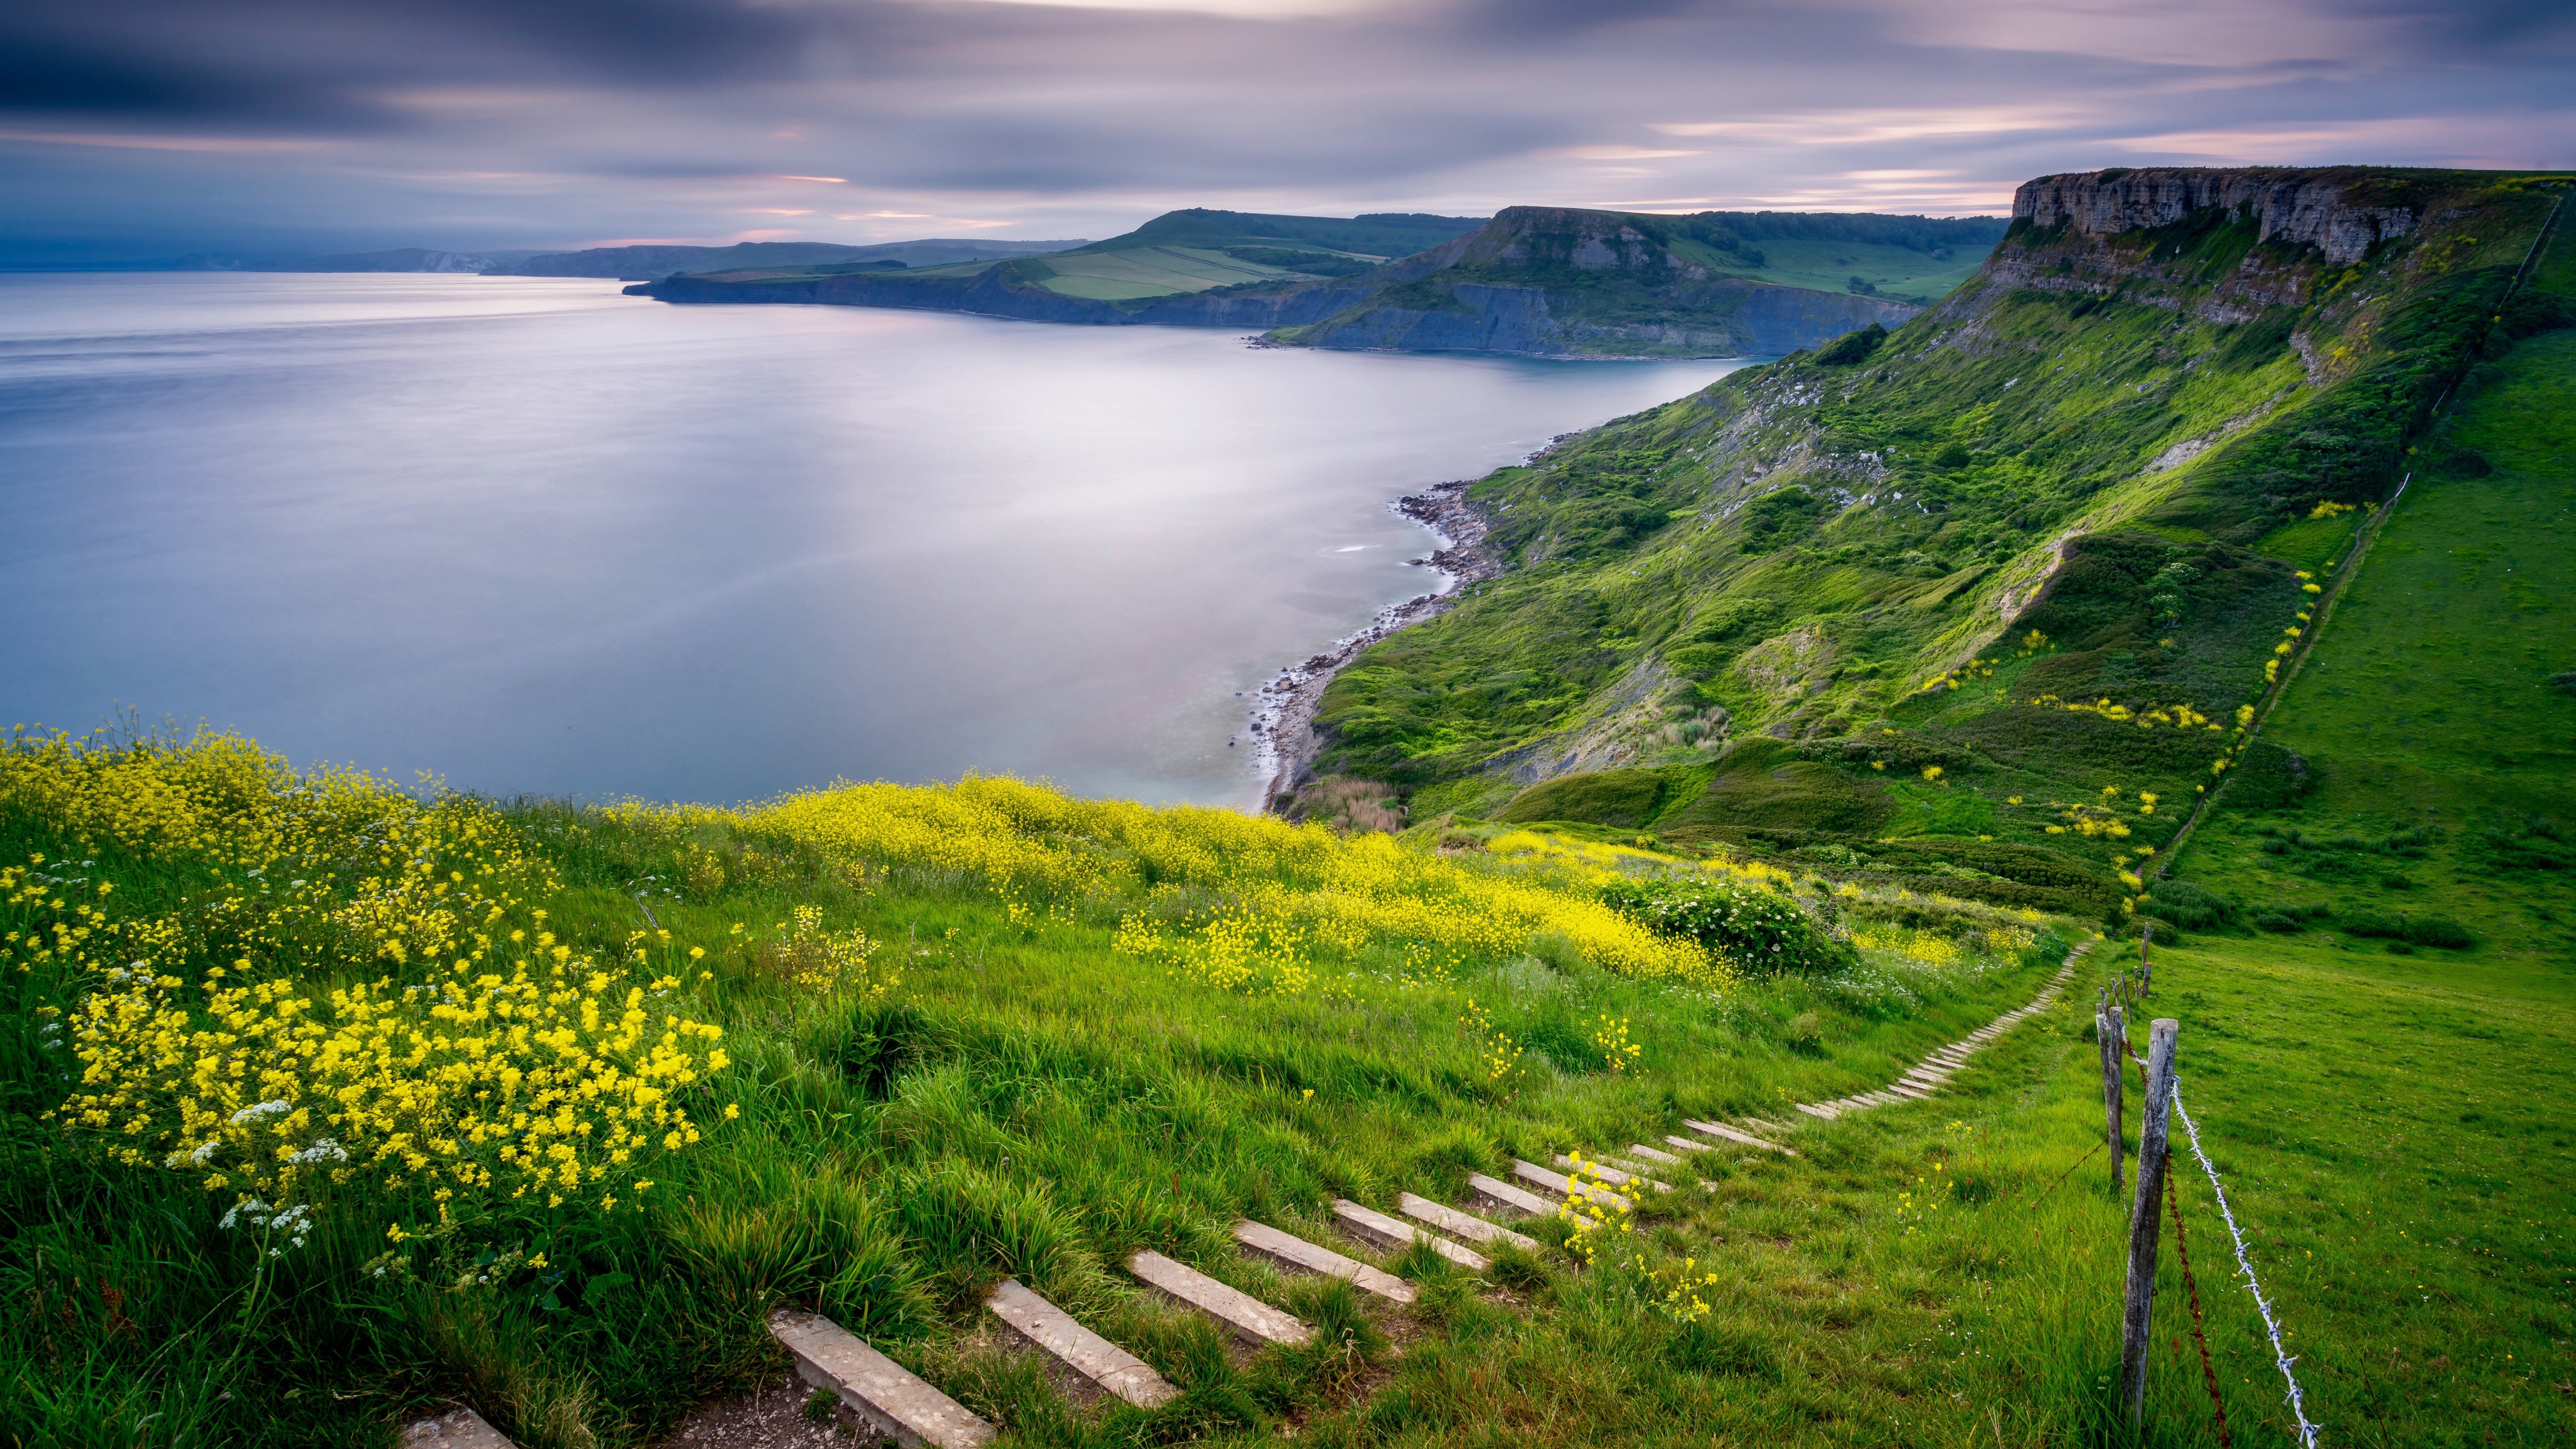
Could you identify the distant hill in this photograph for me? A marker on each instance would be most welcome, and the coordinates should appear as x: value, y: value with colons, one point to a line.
x: 399, y: 259
x: 646, y: 262
x: 1558, y: 280
x: 1721, y: 283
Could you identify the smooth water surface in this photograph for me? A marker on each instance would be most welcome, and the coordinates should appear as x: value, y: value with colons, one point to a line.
x: 532, y: 535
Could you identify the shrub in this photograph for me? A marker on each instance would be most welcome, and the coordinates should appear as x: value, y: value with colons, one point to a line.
x: 1851, y: 347
x: 2531, y: 313
x: 2440, y: 931
x: 1765, y: 933
x: 2536, y: 848
x: 2373, y: 923
x: 2279, y: 922
x: 2185, y: 904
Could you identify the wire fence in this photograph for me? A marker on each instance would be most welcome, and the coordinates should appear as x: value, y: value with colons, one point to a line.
x: 2281, y: 1356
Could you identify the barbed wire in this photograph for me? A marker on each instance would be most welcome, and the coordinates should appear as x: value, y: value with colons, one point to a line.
x: 2280, y: 1355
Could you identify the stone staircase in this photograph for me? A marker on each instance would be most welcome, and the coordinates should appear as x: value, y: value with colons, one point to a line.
x: 1918, y: 1083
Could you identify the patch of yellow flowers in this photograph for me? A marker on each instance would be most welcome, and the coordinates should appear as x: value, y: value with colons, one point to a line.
x: 363, y: 992
x: 1595, y: 1210
x: 1248, y: 902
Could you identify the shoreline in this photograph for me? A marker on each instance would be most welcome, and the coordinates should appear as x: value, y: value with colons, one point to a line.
x: 1283, y: 718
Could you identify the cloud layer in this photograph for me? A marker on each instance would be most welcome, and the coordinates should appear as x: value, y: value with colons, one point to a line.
x: 179, y: 125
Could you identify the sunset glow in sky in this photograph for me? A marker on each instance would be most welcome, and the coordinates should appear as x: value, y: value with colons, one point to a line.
x: 136, y: 127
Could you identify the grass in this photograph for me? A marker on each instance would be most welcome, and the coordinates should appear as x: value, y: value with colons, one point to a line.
x: 2430, y: 704
x: 1151, y: 271
x: 1898, y: 272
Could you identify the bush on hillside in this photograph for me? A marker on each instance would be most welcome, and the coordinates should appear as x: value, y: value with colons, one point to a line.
x: 2268, y: 777
x: 1766, y: 934
x: 2537, y: 846
x: 1851, y: 347
x: 2289, y: 916
x: 2531, y: 313
x: 2187, y: 905
x: 2440, y: 931
x: 2426, y: 930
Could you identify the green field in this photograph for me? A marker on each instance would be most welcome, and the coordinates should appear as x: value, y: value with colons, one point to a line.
x: 1151, y: 271
x: 1903, y: 273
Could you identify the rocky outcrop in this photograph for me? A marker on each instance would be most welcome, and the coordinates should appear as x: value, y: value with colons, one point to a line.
x: 2311, y: 207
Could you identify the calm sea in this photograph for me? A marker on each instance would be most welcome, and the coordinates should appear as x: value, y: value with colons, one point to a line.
x: 531, y: 535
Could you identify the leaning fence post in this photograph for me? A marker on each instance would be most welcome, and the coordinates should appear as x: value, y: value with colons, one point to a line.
x: 2143, y: 1222
x: 2108, y: 1031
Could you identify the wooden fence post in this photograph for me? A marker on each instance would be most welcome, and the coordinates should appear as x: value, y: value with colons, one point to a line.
x: 2107, y: 1030
x: 2144, y: 1224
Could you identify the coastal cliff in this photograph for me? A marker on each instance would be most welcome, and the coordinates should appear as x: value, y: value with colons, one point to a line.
x: 2328, y: 209
x: 2227, y: 244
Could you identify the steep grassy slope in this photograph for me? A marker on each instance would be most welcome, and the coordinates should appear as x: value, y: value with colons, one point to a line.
x: 2432, y: 735
x: 1963, y: 599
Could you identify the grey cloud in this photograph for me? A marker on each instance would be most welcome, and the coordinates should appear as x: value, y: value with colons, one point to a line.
x: 615, y: 118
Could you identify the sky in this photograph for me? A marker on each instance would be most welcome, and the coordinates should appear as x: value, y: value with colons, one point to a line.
x: 136, y: 128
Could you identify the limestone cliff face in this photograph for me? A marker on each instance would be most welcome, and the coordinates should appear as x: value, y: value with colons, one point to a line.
x: 2314, y: 207
x: 2224, y: 243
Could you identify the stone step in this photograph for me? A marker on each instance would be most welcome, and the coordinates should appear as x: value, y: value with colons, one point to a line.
x: 1652, y: 1154
x: 1619, y: 1176
x: 1767, y: 1125
x: 1499, y: 1196
x: 1239, y: 1313
x: 1297, y: 1255
x: 1465, y: 1225
x: 1684, y: 1144
x: 1735, y: 1135
x: 457, y: 1429
x: 1911, y: 1094
x: 877, y: 1389
x: 1823, y: 1113
x: 1053, y: 1332
x: 1395, y: 1234
x: 1530, y: 1174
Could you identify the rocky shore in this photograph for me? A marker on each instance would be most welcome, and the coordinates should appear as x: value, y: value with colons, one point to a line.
x: 1283, y: 721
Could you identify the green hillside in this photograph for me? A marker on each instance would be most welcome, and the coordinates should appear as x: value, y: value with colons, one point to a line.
x: 1182, y: 252
x: 1967, y: 592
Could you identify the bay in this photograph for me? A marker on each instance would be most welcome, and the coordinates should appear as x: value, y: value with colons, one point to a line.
x: 530, y: 535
